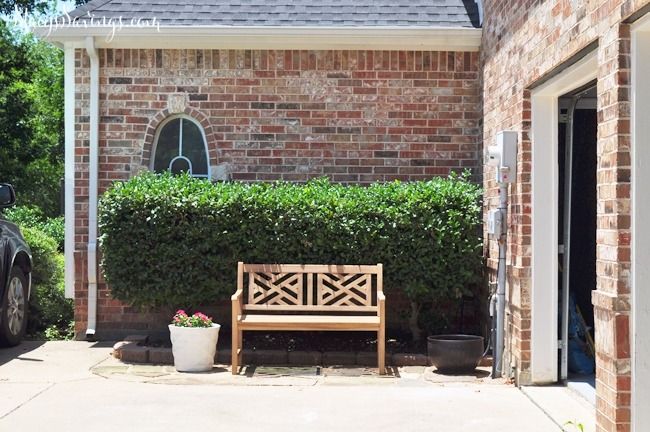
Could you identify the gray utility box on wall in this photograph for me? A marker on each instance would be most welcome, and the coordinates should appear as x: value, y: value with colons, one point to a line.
x: 503, y: 155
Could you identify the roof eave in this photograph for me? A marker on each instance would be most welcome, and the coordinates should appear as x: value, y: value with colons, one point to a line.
x: 225, y: 37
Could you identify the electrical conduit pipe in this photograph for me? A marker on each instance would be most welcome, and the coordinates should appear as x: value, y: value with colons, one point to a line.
x: 501, y: 283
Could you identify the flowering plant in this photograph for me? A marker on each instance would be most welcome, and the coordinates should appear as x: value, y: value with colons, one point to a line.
x: 182, y: 319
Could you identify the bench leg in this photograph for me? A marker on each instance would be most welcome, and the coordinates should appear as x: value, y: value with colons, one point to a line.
x: 235, y: 349
x: 381, y: 349
x: 240, y: 338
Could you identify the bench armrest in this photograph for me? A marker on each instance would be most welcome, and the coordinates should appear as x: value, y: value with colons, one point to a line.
x: 236, y: 304
x: 381, y: 296
x: 237, y: 295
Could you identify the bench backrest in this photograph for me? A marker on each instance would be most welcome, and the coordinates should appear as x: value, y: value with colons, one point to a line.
x: 310, y: 287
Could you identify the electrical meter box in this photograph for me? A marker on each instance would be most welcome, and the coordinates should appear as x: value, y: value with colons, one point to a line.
x: 503, y: 156
x: 495, y: 222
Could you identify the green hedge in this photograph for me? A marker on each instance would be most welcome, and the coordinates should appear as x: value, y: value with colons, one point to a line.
x: 175, y: 241
x: 50, y: 313
x: 33, y: 217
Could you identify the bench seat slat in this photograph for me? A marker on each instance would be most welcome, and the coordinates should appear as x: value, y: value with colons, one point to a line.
x: 308, y: 322
x: 308, y: 308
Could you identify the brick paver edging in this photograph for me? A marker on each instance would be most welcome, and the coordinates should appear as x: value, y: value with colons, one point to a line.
x: 134, y: 350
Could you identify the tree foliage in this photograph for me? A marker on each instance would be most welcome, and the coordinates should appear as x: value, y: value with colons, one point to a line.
x: 175, y: 241
x: 9, y: 6
x: 31, y: 118
x: 39, y: 6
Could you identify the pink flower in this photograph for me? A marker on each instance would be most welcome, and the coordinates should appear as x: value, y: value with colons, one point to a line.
x: 199, y: 319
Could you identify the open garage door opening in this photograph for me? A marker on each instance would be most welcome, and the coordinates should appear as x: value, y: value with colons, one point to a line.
x: 577, y: 166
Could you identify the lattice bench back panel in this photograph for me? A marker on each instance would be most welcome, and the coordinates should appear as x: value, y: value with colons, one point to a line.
x: 291, y: 287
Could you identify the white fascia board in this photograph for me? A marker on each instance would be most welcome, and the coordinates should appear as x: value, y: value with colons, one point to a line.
x: 299, y: 38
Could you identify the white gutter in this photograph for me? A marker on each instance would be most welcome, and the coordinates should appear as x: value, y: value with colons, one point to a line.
x: 69, y: 104
x: 267, y: 37
x: 92, y: 186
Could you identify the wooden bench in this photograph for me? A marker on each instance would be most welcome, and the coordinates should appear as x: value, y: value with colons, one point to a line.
x: 287, y: 297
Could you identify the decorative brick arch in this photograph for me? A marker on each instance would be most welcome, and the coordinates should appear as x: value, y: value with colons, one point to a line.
x: 162, y: 115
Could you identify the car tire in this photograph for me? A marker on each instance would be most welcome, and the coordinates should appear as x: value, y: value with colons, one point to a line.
x: 13, y: 321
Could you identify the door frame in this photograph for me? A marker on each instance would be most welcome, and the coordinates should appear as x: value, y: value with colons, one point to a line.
x: 545, y: 219
x: 640, y: 156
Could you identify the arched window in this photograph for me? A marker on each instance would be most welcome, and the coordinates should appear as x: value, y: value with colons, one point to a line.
x: 181, y: 147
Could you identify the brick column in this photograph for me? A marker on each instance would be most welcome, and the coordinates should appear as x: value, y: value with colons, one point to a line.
x: 612, y: 298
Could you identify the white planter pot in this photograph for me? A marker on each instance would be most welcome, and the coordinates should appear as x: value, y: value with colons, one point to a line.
x: 194, y: 347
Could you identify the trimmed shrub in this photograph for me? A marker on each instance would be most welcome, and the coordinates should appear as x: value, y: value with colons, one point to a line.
x: 33, y: 217
x: 175, y: 241
x: 50, y: 313
x: 45, y: 258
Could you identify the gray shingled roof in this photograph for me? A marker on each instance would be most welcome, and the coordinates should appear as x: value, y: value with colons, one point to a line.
x: 291, y: 13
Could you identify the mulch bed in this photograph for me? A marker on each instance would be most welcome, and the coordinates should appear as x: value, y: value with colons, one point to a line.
x: 318, y: 341
x: 326, y: 341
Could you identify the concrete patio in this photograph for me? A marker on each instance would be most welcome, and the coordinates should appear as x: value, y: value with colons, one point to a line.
x: 75, y: 386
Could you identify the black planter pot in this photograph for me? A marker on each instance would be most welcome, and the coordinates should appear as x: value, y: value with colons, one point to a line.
x: 455, y: 354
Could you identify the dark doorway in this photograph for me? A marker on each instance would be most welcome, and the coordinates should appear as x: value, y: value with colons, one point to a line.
x: 577, y: 164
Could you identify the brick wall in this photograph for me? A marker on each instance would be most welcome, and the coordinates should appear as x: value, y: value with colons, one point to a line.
x: 525, y: 41
x: 355, y: 116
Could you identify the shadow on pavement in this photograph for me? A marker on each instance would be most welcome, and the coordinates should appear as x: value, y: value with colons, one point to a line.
x: 477, y: 373
x: 20, y: 352
x: 101, y: 344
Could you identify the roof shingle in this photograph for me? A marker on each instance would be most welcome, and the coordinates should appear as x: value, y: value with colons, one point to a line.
x: 290, y: 13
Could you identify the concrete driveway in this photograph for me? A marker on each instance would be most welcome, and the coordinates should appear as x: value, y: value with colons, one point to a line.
x: 78, y: 386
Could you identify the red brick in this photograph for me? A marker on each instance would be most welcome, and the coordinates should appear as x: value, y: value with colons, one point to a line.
x: 133, y: 353
x: 305, y: 358
x: 275, y: 112
x: 270, y: 357
x: 161, y: 356
x: 518, y: 50
x: 339, y: 358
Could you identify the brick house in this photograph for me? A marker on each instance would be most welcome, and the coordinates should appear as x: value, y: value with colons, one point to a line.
x: 375, y: 91
x: 258, y: 94
x: 549, y: 67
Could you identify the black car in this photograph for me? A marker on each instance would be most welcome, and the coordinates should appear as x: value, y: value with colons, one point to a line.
x: 15, y: 275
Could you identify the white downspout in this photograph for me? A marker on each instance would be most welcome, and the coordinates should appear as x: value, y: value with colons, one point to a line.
x: 92, y: 186
x: 69, y: 107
